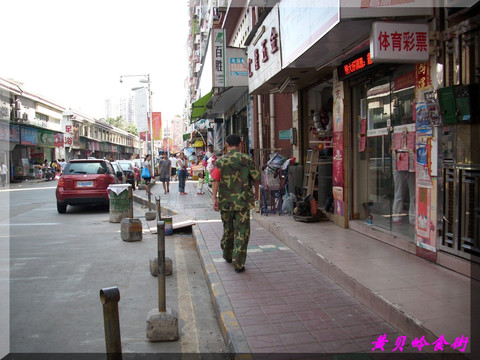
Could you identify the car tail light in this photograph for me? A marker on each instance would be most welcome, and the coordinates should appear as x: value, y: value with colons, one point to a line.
x: 61, y: 182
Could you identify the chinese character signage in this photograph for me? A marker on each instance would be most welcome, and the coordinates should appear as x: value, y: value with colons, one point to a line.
x: 264, y: 59
x: 355, y: 65
x: 218, y: 57
x: 29, y: 136
x: 58, y: 140
x: 399, y: 42
x: 68, y: 130
x: 157, y: 125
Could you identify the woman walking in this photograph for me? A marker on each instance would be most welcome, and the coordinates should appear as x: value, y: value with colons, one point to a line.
x: 147, y: 172
x: 165, y: 172
x: 182, y: 174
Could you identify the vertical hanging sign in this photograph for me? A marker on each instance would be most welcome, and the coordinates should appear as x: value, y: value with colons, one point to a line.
x: 218, y: 58
x: 157, y: 125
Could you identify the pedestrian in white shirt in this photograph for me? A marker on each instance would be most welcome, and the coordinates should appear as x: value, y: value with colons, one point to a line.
x: 3, y: 173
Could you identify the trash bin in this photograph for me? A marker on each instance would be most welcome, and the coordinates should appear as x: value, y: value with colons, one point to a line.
x: 121, y: 202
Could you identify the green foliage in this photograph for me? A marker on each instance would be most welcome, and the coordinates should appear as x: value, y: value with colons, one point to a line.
x: 120, y: 123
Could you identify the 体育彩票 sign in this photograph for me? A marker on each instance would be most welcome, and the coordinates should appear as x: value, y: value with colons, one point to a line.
x: 399, y: 42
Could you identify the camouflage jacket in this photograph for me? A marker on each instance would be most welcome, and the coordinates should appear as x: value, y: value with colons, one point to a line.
x: 235, y: 189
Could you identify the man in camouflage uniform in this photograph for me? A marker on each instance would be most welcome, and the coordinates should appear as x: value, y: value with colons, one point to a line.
x: 235, y: 200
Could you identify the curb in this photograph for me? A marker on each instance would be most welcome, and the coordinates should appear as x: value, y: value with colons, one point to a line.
x: 388, y: 311
x: 231, y: 330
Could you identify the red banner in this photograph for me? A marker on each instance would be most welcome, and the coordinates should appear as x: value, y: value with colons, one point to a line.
x: 157, y: 125
x: 58, y: 140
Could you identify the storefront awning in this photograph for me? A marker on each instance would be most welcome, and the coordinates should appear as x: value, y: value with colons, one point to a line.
x: 199, y: 107
x: 222, y: 100
x: 198, y: 144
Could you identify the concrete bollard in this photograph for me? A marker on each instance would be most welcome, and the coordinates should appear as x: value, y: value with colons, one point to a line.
x: 159, y: 209
x: 162, y: 324
x: 110, y: 298
x: 150, y: 215
x: 154, y: 266
x: 131, y: 229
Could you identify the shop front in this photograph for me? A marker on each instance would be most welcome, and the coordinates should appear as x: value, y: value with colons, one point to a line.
x: 384, y: 149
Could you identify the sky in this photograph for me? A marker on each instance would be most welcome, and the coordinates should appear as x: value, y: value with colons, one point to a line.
x: 73, y: 52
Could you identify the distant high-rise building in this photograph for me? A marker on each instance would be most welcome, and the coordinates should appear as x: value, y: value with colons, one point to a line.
x: 141, y: 109
x: 121, y: 106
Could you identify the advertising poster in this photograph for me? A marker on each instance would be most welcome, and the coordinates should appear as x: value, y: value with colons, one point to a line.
x: 58, y: 140
x: 338, y: 159
x: 423, y: 212
x: 29, y: 136
x: 339, y: 207
x: 157, y: 125
x: 337, y: 193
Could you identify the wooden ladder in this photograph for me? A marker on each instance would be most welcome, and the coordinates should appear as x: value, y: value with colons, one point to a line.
x: 311, y: 170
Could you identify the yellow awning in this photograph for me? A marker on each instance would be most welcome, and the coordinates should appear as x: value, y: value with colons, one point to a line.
x: 198, y: 143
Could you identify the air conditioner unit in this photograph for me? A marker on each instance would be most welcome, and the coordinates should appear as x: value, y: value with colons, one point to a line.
x: 25, y: 116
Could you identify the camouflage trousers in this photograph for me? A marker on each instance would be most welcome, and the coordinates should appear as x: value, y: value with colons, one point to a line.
x: 236, y: 233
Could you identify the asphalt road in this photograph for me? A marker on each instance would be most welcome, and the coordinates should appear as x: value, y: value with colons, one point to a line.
x: 59, y: 262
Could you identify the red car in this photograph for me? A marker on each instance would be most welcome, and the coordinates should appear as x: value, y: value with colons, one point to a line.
x: 85, y: 182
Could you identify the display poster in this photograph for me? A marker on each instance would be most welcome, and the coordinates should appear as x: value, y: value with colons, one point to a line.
x: 363, y: 126
x: 338, y: 159
x: 423, y: 212
x: 362, y: 143
x: 339, y: 207
x: 29, y: 136
x: 157, y: 125
x: 337, y: 193
x: 58, y: 140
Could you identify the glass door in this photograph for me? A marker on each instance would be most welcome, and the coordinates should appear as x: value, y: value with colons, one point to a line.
x: 378, y: 146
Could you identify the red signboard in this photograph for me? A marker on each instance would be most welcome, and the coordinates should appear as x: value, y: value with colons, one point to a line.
x: 157, y: 125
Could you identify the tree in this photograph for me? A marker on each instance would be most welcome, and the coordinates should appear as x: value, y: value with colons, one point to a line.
x: 120, y: 123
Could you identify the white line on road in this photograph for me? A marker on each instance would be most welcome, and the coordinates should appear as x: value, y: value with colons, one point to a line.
x: 28, y: 189
x: 32, y: 224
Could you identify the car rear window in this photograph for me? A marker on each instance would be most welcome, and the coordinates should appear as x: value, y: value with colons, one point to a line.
x: 126, y: 166
x: 86, y: 168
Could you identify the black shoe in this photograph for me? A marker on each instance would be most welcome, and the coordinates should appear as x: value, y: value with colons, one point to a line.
x: 240, y: 270
x: 227, y: 260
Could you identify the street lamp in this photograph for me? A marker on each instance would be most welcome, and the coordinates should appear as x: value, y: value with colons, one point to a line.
x: 146, y: 80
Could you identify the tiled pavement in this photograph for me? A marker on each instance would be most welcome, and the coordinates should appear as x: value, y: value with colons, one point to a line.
x: 284, y: 304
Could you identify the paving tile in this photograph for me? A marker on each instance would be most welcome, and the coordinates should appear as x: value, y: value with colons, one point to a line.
x: 255, y: 330
x: 312, y: 348
x: 285, y: 327
x: 318, y: 324
x: 329, y: 334
x: 276, y: 309
x: 341, y: 346
x: 263, y: 341
x: 257, y: 319
x: 283, y: 317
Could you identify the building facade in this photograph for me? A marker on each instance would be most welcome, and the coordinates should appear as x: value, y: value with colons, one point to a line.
x: 35, y: 129
x: 395, y: 86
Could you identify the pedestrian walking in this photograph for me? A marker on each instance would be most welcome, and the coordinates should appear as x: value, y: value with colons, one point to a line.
x: 200, y: 183
x: 3, y: 173
x: 182, y: 173
x: 63, y: 163
x: 233, y: 184
x: 165, y: 173
x: 173, y: 172
x: 147, y: 173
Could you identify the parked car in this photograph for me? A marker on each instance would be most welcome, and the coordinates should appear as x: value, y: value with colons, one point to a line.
x: 85, y: 182
x: 122, y: 177
x: 129, y: 172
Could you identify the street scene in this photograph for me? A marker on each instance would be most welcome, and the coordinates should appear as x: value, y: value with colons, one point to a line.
x: 288, y: 179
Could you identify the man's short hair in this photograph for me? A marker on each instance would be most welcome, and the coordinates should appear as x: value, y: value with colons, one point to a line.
x: 233, y: 140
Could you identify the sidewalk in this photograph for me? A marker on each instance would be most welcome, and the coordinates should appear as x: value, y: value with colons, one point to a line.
x: 318, y: 288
